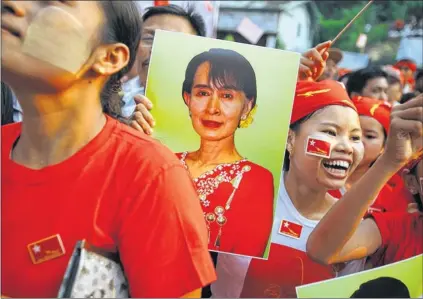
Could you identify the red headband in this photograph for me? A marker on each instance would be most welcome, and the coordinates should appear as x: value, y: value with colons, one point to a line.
x: 379, y: 110
x: 313, y: 96
x: 411, y: 65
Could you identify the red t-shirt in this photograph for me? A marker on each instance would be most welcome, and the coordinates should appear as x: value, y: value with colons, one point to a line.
x: 146, y: 205
x: 253, y: 199
x: 401, y: 236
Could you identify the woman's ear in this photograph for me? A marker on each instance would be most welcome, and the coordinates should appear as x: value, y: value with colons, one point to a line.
x: 248, y: 107
x: 110, y: 59
x: 187, y: 98
x: 290, y: 142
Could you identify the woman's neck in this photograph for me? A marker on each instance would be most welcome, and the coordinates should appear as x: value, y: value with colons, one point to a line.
x: 216, y: 152
x: 308, y: 201
x: 56, y: 126
x: 356, y: 176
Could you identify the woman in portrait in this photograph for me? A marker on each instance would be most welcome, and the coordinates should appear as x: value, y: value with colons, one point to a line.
x: 236, y: 194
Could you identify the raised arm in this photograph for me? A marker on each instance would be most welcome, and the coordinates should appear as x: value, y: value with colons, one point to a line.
x: 341, y: 235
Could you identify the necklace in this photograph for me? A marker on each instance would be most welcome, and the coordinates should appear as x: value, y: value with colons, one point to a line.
x: 206, y: 185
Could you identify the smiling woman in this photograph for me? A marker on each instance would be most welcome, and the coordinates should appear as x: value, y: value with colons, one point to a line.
x: 236, y: 195
x: 321, y: 154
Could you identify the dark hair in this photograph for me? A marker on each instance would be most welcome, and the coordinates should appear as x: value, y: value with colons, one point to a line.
x: 195, y: 19
x: 347, y: 75
x: 393, y: 80
x: 228, y: 69
x: 417, y: 198
x: 123, y: 25
x: 295, y: 127
x: 382, y: 287
x: 407, y: 96
x: 6, y: 104
x: 419, y: 75
x: 358, y: 79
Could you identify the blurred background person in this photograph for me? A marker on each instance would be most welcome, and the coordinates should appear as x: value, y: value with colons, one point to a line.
x: 419, y: 81
x: 371, y: 82
x: 407, y: 68
x: 170, y: 17
x: 395, y: 86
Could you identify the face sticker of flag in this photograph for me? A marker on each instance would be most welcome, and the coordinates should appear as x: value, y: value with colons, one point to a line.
x: 290, y: 229
x: 46, y: 249
x: 318, y: 147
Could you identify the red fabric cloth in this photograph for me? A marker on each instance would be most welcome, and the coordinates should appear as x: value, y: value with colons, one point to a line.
x: 250, y: 216
x: 146, y: 207
x: 401, y: 236
x: 381, y: 111
x: 394, y: 197
x: 313, y: 96
x: 279, y: 276
x: 335, y: 193
x: 161, y: 3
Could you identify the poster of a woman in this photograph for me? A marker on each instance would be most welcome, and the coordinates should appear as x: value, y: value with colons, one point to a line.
x: 215, y: 128
x: 221, y: 95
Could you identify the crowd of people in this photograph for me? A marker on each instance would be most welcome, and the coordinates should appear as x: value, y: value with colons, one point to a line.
x: 78, y: 162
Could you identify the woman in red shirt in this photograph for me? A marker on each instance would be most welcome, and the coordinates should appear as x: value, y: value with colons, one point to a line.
x: 322, y: 113
x: 69, y: 172
x: 342, y: 236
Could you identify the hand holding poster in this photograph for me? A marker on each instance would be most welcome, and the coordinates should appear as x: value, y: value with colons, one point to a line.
x: 224, y: 108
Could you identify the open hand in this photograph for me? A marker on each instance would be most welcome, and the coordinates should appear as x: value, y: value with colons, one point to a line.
x: 313, y: 62
x: 142, y: 120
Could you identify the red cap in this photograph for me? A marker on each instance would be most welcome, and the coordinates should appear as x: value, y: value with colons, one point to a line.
x: 313, y: 96
x: 161, y: 3
x: 406, y: 62
x: 379, y: 110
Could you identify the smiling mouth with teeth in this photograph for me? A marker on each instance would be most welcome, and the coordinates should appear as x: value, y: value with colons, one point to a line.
x: 336, y: 167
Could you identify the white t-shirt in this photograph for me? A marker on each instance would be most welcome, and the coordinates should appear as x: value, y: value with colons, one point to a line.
x: 232, y: 269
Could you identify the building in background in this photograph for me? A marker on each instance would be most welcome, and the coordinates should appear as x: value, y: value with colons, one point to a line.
x: 208, y: 9
x: 290, y: 25
x: 354, y: 61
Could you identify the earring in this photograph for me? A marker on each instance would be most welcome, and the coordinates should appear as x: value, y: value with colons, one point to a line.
x: 190, y: 114
x: 247, y: 120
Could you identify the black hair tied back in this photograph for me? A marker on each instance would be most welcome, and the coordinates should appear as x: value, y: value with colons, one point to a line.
x: 123, y: 25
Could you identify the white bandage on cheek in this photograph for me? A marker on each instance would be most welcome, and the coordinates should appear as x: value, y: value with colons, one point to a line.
x: 57, y: 37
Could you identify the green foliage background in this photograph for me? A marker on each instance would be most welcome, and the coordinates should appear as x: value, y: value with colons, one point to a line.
x: 336, y: 14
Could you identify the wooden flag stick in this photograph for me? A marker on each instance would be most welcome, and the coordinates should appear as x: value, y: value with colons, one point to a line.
x: 352, y: 21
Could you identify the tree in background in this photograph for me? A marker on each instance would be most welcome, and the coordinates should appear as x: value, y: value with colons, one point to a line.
x: 380, y: 16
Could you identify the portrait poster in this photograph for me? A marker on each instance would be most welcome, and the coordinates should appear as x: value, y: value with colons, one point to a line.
x: 224, y: 108
x: 400, y: 278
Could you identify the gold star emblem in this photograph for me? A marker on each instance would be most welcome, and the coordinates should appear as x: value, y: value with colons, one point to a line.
x: 312, y: 93
x: 373, y: 109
